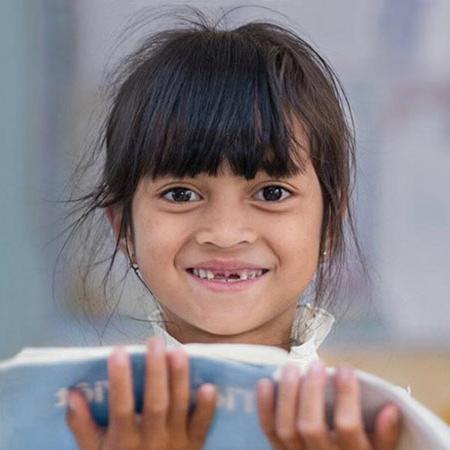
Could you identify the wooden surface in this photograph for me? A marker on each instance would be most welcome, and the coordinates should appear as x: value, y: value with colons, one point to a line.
x: 427, y: 372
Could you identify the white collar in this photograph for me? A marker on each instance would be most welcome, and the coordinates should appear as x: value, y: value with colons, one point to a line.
x: 310, y: 327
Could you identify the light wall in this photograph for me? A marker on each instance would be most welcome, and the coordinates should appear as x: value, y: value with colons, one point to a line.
x: 391, y: 58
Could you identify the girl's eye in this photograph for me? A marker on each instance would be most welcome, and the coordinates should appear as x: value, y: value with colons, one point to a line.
x: 179, y: 194
x: 273, y: 193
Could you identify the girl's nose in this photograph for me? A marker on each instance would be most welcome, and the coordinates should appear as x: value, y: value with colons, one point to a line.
x: 226, y: 228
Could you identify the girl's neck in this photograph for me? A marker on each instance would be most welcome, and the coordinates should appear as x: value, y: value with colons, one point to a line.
x: 276, y: 333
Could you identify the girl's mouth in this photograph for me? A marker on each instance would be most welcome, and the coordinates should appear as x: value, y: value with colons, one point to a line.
x: 226, y: 282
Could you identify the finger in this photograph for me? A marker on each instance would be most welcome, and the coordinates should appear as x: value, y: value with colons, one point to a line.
x: 387, y: 428
x: 156, y: 393
x: 200, y: 422
x: 121, y: 400
x: 266, y: 408
x: 179, y: 389
x: 311, y: 415
x: 87, y: 433
x: 286, y: 407
x: 347, y: 422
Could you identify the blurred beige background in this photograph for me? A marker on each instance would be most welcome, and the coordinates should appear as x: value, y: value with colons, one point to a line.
x: 393, y: 60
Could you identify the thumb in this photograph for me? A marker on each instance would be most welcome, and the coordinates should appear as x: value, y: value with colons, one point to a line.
x: 387, y: 428
x: 87, y: 433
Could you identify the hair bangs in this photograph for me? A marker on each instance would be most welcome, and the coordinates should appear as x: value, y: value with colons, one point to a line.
x: 221, y: 103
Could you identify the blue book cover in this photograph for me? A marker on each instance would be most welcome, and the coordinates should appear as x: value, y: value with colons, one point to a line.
x: 34, y: 386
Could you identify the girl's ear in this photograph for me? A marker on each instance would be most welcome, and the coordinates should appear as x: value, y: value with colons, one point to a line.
x: 114, y: 216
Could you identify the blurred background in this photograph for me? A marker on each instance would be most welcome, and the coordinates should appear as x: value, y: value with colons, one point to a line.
x: 394, y: 63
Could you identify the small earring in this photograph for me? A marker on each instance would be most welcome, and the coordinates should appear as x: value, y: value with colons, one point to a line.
x: 133, y: 265
x: 324, y: 253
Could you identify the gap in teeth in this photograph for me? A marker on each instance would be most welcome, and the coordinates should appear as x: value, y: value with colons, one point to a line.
x: 228, y: 276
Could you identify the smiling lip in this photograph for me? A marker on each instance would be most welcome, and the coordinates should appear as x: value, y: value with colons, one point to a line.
x: 224, y: 286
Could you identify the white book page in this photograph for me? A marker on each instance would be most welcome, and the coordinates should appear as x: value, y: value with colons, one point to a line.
x: 257, y: 354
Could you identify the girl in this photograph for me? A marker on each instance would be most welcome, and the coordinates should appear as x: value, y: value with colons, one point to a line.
x: 226, y: 183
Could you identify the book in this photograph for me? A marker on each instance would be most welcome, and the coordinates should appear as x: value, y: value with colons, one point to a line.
x: 35, y: 382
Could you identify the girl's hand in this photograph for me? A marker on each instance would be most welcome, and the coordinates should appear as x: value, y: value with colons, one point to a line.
x: 164, y: 422
x: 298, y: 420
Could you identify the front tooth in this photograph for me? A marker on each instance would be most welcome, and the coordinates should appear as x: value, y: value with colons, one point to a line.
x: 245, y: 275
x: 256, y: 274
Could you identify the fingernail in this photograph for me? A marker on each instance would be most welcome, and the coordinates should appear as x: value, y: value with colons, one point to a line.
x: 156, y: 345
x: 208, y: 389
x: 394, y: 416
x: 291, y: 372
x: 344, y: 374
x: 71, y: 402
x: 316, y: 368
x: 119, y: 356
x: 264, y: 383
x: 178, y: 357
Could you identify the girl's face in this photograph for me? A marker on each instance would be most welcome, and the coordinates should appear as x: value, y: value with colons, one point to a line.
x: 228, y: 218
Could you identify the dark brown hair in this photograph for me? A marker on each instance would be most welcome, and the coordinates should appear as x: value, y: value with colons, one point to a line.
x: 191, y: 96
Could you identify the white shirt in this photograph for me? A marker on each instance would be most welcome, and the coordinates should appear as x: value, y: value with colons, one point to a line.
x: 310, y: 327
